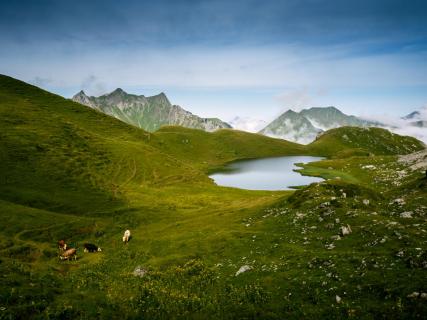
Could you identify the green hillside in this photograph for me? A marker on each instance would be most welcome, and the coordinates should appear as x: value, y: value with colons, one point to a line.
x: 347, y: 141
x: 206, y: 150
x: 54, y: 153
x: 70, y: 172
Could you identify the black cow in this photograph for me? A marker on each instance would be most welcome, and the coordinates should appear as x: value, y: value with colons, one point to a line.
x: 89, y: 247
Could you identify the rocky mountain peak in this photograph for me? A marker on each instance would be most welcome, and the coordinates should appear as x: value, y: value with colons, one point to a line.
x: 118, y: 91
x: 149, y: 113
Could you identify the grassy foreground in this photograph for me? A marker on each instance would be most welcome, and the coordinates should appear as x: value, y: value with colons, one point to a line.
x: 69, y: 172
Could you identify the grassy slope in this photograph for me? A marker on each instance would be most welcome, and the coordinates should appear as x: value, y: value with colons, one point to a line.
x: 353, y: 141
x: 70, y: 172
x: 208, y: 150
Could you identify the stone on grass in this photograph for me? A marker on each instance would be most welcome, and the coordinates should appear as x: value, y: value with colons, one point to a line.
x: 243, y: 269
x: 406, y: 214
x: 345, y: 230
x: 413, y: 295
x: 140, y: 271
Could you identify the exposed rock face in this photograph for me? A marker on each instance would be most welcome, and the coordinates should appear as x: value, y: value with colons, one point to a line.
x: 416, y: 160
x: 149, y: 113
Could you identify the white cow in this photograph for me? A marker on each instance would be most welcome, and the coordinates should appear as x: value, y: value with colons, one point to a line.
x: 126, y: 236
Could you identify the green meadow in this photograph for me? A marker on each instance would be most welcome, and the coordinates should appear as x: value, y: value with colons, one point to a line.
x: 70, y: 172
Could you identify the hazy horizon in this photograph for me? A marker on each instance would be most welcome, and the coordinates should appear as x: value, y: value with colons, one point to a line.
x: 219, y: 59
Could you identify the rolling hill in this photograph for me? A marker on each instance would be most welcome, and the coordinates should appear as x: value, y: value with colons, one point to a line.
x: 70, y: 172
x: 376, y: 141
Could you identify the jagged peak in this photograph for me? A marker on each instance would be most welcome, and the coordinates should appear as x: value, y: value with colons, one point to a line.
x: 161, y: 96
x: 290, y: 112
x: 81, y: 93
x: 118, y: 91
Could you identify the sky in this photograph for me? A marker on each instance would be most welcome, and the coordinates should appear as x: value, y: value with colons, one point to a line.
x: 225, y: 58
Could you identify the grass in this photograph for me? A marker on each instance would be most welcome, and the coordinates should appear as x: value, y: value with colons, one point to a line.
x: 69, y: 172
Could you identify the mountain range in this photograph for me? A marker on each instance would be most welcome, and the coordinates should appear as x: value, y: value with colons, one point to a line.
x: 417, y: 118
x: 152, y: 112
x: 148, y: 113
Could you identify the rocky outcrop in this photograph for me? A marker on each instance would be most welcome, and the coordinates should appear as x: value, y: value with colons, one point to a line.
x: 148, y: 113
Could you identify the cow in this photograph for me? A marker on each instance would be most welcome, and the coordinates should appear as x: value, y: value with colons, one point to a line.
x: 62, y: 245
x: 69, y: 254
x: 126, y: 236
x: 89, y: 247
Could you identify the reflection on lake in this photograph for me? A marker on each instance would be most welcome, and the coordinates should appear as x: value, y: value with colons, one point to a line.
x: 265, y: 174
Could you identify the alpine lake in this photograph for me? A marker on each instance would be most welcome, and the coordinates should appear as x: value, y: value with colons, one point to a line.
x: 276, y: 173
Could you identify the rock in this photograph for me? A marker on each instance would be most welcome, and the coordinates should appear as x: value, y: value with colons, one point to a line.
x: 365, y: 202
x: 413, y: 295
x: 423, y: 295
x: 398, y: 201
x: 140, y: 271
x: 336, y: 237
x: 338, y: 299
x: 369, y: 166
x: 406, y: 214
x: 243, y: 269
x: 330, y: 246
x: 345, y: 230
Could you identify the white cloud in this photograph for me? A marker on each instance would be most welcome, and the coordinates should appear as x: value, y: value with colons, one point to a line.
x: 294, y: 72
x: 401, y: 126
x: 281, y: 66
x: 93, y: 86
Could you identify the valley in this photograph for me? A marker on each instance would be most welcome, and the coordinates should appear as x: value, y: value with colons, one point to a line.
x: 71, y: 172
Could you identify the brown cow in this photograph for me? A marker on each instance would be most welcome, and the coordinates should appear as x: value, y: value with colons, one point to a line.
x: 69, y: 254
x: 62, y: 245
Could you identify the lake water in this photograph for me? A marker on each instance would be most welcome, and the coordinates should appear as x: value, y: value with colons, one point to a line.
x: 265, y: 174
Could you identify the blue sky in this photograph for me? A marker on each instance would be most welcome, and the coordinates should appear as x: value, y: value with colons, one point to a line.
x: 225, y: 58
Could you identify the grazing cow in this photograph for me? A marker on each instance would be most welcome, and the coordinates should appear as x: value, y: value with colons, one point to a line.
x: 69, y: 254
x: 89, y: 247
x: 126, y: 236
x: 62, y: 245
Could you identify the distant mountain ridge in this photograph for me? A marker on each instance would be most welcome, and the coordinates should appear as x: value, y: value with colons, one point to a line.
x: 417, y: 118
x: 331, y: 117
x: 304, y: 126
x: 149, y: 113
x: 291, y: 126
